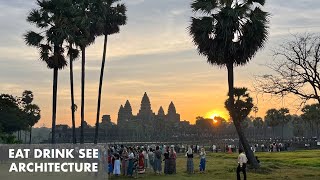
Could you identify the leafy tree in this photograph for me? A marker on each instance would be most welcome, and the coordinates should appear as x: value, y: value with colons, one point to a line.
x: 204, y: 123
x: 311, y: 114
x: 257, y: 124
x: 48, y: 18
x: 16, y: 114
x: 229, y: 33
x: 272, y: 119
x: 11, y: 115
x: 110, y: 17
x: 245, y: 123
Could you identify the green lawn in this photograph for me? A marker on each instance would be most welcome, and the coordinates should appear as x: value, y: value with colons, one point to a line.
x: 284, y: 165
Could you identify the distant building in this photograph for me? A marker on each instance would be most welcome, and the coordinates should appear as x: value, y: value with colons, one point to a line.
x: 145, y: 114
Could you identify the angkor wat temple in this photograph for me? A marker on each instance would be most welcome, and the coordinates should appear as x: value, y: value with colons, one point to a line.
x: 145, y: 126
x: 145, y: 114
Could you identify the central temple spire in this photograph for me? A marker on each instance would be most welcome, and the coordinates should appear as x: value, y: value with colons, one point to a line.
x: 145, y: 112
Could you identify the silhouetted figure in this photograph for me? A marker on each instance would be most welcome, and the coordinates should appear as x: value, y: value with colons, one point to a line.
x: 189, y: 155
x: 242, y: 165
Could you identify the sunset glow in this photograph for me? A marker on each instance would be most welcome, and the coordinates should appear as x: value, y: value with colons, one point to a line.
x: 166, y: 66
x: 214, y: 113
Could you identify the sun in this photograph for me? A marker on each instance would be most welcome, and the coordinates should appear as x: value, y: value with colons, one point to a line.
x: 215, y: 113
x: 212, y: 116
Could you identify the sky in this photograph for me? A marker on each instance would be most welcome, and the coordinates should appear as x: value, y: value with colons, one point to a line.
x: 153, y: 53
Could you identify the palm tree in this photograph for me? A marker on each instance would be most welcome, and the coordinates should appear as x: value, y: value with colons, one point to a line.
x: 49, y: 41
x: 243, y: 105
x: 73, y: 54
x: 109, y: 17
x: 229, y: 33
x: 85, y: 34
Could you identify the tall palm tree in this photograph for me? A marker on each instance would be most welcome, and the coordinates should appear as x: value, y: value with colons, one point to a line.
x: 47, y: 17
x: 229, y: 33
x: 73, y: 54
x: 109, y: 18
x: 85, y: 35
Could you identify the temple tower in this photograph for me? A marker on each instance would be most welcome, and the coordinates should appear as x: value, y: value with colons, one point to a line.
x: 120, y: 120
x: 145, y: 112
x: 161, y: 111
x: 127, y: 110
x: 172, y: 115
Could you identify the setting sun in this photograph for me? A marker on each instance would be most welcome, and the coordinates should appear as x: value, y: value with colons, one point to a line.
x: 214, y: 113
x: 212, y: 116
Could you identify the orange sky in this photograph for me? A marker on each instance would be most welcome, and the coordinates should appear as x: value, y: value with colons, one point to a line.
x: 153, y: 54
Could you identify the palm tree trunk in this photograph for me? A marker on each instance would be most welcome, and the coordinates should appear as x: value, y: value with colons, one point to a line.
x: 30, y: 135
x: 83, y: 51
x: 236, y: 121
x: 54, y: 105
x: 100, y: 88
x: 72, y: 101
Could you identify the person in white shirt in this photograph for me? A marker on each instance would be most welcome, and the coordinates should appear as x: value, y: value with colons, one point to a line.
x: 242, y: 165
x: 146, y: 158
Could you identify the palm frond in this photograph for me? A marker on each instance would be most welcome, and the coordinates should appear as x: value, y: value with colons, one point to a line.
x: 204, y: 6
x: 233, y: 32
x: 261, y: 2
x: 34, y: 16
x: 73, y: 53
x: 32, y: 38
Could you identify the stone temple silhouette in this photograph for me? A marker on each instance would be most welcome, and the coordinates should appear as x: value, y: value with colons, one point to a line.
x: 145, y: 114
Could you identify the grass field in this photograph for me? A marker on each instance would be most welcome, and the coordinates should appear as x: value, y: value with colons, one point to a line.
x: 302, y: 165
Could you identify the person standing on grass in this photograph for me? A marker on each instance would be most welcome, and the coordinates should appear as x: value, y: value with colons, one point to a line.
x: 172, y: 161
x: 202, y: 160
x: 131, y: 161
x: 146, y: 158
x: 141, y: 161
x: 151, y: 158
x: 242, y: 165
x: 157, y: 161
x: 116, y: 168
x: 190, y: 166
x: 125, y: 161
x: 166, y: 160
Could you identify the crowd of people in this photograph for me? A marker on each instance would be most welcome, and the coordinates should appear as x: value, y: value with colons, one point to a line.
x: 134, y: 160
